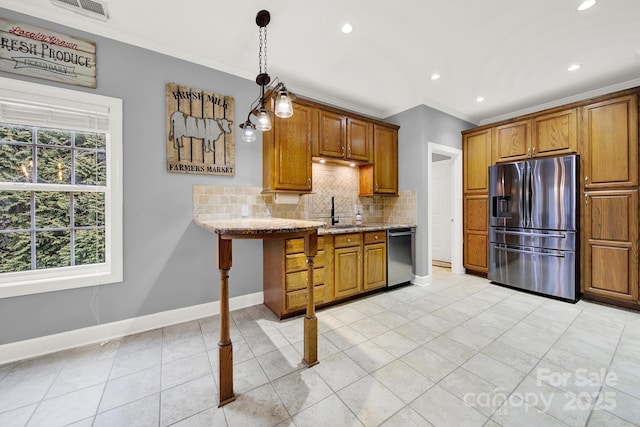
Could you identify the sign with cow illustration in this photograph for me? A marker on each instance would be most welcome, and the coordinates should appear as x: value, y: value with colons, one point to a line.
x: 200, y: 132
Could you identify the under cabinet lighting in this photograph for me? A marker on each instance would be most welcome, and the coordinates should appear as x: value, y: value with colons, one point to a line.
x: 323, y: 161
x: 352, y: 165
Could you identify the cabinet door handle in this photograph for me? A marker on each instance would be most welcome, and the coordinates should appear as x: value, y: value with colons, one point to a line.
x: 349, y: 240
x: 534, y: 151
x: 375, y: 237
x: 309, y: 182
x: 343, y: 150
x: 376, y: 187
x: 529, y: 152
x: 586, y: 179
x: 586, y: 199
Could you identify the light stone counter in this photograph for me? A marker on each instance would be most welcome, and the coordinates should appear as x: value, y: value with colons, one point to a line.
x: 343, y: 229
x: 256, y: 226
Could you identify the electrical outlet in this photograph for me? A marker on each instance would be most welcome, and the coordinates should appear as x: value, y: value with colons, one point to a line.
x: 245, y: 210
x: 358, y: 209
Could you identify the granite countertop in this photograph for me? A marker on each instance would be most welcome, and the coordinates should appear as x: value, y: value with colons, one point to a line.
x: 346, y: 228
x: 249, y: 226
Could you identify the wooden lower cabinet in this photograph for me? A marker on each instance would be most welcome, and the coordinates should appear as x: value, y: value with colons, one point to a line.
x: 375, y: 260
x: 285, y: 275
x: 348, y: 271
x: 476, y: 233
x: 610, y: 243
x: 346, y: 265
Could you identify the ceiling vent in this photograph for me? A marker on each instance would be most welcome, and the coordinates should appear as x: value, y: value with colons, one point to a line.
x: 92, y: 8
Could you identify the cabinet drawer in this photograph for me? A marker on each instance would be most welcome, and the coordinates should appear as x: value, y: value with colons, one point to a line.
x: 296, y: 262
x: 345, y: 240
x: 298, y: 299
x: 375, y: 236
x: 293, y: 246
x: 298, y: 280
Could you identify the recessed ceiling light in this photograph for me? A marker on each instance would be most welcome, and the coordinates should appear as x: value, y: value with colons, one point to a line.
x: 586, y: 4
x: 480, y: 99
x: 435, y: 76
x: 573, y: 67
x: 347, y: 28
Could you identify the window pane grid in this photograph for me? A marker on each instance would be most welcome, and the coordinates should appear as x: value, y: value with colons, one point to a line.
x: 65, y: 176
x: 54, y: 246
x: 68, y: 155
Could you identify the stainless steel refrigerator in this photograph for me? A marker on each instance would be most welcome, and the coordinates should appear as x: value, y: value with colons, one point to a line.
x: 533, y: 226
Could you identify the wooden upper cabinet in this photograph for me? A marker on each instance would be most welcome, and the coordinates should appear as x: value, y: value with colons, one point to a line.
x: 343, y: 137
x: 385, y: 160
x: 555, y: 133
x: 546, y: 135
x: 512, y: 141
x: 609, y: 143
x: 359, y: 140
x: 332, y: 134
x: 476, y: 149
x: 286, y: 151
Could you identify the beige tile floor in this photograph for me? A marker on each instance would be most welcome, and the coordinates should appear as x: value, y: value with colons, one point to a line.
x: 460, y: 352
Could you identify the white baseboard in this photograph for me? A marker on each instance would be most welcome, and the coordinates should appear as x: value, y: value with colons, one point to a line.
x: 421, y: 280
x: 94, y: 334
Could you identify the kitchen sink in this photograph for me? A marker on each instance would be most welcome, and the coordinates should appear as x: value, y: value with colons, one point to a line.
x: 342, y: 226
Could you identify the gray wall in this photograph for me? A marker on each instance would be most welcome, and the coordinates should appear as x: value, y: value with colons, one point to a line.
x: 419, y: 126
x: 168, y: 261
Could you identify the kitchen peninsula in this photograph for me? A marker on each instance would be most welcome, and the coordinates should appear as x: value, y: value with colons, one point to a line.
x: 259, y: 228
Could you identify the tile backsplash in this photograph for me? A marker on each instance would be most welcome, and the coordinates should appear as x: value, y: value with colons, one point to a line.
x: 329, y: 180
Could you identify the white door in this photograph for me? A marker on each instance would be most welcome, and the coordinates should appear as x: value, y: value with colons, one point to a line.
x: 442, y: 210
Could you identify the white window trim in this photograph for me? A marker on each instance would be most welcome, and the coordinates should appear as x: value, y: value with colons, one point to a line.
x: 56, y: 279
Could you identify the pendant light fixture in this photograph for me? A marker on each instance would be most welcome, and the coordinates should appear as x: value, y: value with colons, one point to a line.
x: 268, y: 90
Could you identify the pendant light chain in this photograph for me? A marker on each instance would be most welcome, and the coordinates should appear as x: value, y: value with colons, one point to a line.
x: 263, y: 47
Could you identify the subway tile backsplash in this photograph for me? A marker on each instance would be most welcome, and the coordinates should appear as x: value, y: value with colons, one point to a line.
x: 340, y: 182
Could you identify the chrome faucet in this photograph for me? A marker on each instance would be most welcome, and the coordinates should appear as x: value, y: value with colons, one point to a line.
x: 334, y: 219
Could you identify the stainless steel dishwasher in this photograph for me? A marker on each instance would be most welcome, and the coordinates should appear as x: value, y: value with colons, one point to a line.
x: 401, y: 255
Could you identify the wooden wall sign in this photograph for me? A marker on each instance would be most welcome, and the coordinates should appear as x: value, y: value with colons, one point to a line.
x: 36, y: 52
x: 200, y: 132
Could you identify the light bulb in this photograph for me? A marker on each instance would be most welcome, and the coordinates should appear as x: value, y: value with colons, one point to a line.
x: 249, y: 134
x: 264, y: 121
x: 284, y: 108
x: 248, y: 131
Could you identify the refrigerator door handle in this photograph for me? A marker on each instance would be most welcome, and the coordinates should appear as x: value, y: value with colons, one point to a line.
x: 520, y: 251
x: 521, y: 233
x: 523, y: 215
x: 530, y: 196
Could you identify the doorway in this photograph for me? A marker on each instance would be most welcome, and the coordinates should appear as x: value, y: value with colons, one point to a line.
x: 442, y: 213
x: 450, y: 171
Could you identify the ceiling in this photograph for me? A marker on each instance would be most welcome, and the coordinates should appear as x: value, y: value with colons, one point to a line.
x: 513, y: 53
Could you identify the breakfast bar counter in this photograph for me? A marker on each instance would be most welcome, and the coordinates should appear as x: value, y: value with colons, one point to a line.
x: 259, y: 228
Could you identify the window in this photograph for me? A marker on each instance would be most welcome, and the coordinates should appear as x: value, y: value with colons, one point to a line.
x: 60, y: 189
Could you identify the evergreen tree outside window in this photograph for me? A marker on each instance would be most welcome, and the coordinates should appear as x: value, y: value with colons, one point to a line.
x: 60, y: 189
